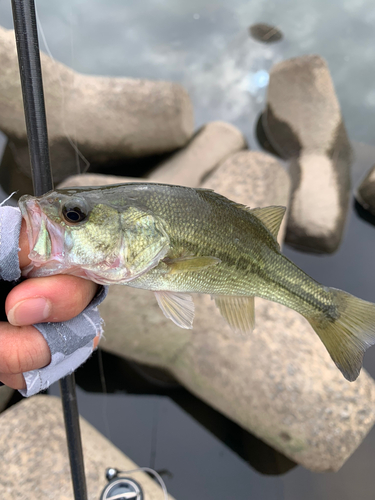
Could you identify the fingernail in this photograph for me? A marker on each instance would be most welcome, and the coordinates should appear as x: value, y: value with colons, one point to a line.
x: 29, y: 311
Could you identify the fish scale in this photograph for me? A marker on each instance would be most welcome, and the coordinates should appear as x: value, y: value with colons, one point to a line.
x: 176, y: 241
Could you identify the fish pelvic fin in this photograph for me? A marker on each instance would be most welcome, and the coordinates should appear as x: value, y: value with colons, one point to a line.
x: 271, y: 217
x: 348, y: 333
x: 178, y: 307
x: 238, y: 311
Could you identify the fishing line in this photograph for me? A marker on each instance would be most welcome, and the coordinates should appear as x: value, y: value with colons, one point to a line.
x: 104, y: 386
x: 72, y: 66
x: 154, y: 434
x: 100, y: 358
x: 105, y: 394
x: 150, y: 471
x: 71, y: 142
x: 6, y: 199
x: 87, y: 163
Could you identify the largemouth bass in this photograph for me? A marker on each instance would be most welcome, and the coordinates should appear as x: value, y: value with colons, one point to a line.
x: 177, y: 241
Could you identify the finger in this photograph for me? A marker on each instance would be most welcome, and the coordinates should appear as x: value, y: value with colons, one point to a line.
x: 95, y: 342
x: 23, y: 348
x: 14, y: 381
x: 24, y: 246
x: 55, y: 298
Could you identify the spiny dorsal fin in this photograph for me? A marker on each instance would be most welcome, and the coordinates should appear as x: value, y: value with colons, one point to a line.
x: 210, y: 193
x: 190, y: 263
x: 271, y: 217
x: 238, y: 311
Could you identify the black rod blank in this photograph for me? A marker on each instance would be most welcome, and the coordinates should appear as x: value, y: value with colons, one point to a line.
x: 73, y: 433
x: 32, y: 92
x: 36, y: 125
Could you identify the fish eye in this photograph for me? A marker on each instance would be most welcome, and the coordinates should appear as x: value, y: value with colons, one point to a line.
x: 74, y: 211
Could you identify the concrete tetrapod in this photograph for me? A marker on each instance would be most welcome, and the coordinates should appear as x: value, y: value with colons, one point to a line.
x: 366, y: 191
x: 209, y: 147
x: 303, y: 122
x: 108, y: 118
x: 279, y: 382
x: 36, y: 455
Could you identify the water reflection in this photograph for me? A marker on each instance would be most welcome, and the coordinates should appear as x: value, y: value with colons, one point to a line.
x: 122, y: 376
x: 265, y: 33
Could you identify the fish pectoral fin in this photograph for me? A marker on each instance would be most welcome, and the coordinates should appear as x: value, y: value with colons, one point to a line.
x: 190, y: 263
x: 238, y: 311
x: 179, y: 307
x: 271, y: 217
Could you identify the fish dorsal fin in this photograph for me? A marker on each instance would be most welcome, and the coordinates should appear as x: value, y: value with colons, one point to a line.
x: 145, y: 242
x: 179, y: 307
x: 238, y: 311
x: 210, y: 193
x: 271, y: 217
x: 190, y: 263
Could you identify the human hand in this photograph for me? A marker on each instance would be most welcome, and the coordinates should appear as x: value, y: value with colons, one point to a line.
x: 38, y: 300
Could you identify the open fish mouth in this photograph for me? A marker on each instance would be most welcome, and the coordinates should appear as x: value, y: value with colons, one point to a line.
x: 51, y: 248
x: 46, y: 238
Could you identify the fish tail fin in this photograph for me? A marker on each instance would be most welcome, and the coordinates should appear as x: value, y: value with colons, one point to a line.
x: 347, y: 331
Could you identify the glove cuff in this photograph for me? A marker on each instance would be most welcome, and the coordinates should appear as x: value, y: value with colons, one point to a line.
x: 10, y: 228
x: 70, y: 343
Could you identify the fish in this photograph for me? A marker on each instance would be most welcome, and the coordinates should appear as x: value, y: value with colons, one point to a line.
x: 178, y: 241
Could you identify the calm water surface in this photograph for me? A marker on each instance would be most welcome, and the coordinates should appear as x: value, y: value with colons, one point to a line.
x: 205, y: 46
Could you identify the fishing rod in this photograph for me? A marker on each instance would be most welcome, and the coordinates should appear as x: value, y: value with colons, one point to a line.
x: 25, y: 28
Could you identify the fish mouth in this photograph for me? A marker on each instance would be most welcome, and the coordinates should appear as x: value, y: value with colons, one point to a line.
x: 46, y: 238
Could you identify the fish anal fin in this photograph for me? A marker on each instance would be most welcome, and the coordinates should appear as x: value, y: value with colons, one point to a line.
x: 238, y: 311
x: 179, y: 307
x: 190, y: 263
x: 271, y: 217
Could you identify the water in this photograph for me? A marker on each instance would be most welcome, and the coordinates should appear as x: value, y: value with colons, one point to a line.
x: 209, y: 457
x: 206, y: 46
